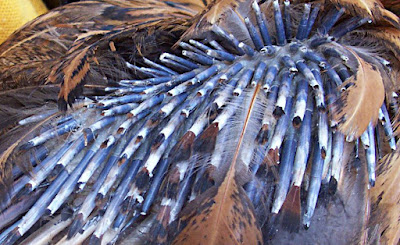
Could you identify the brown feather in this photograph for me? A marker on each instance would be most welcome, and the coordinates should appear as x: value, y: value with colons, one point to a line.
x: 183, y: 149
x: 396, y: 123
x: 223, y: 13
x: 218, y: 9
x: 55, y: 46
x: 388, y: 39
x: 74, y: 73
x: 392, y: 5
x: 224, y: 213
x: 385, y: 199
x: 359, y: 104
x: 373, y: 9
x: 340, y: 218
x: 291, y: 210
x: 27, y: 57
x: 388, y: 35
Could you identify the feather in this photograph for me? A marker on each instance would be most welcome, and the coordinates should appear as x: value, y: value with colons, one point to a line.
x: 389, y: 38
x: 5, y: 173
x: 73, y: 75
x: 192, y: 144
x: 89, y: 26
x: 47, y: 232
x: 392, y: 5
x: 218, y: 13
x: 291, y: 210
x: 388, y: 35
x: 385, y: 197
x: 218, y: 9
x: 360, y: 101
x: 373, y: 9
x: 224, y: 214
x: 341, y: 218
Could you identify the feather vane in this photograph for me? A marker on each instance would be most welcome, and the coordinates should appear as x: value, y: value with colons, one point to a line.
x: 373, y: 9
x: 227, y: 217
x: 208, y: 143
x: 385, y: 198
x: 360, y: 101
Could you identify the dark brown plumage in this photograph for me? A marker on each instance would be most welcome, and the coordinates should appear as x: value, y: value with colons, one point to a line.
x: 188, y: 131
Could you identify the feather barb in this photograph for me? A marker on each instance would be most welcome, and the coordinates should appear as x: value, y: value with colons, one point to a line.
x: 362, y: 96
x: 385, y: 197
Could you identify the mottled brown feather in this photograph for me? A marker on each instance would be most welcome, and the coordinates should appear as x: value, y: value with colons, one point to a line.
x: 385, y: 199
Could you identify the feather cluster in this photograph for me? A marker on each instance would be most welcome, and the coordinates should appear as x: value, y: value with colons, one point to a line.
x: 259, y: 113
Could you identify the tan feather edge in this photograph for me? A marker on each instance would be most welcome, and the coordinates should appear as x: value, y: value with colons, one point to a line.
x: 360, y: 101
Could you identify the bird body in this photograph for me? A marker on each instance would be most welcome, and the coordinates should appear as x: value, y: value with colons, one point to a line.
x: 230, y: 122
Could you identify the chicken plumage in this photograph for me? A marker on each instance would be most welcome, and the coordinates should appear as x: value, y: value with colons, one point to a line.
x: 223, y: 122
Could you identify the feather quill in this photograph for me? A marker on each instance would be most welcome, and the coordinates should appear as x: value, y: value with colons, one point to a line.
x: 224, y: 213
x: 62, y: 48
x: 5, y: 173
